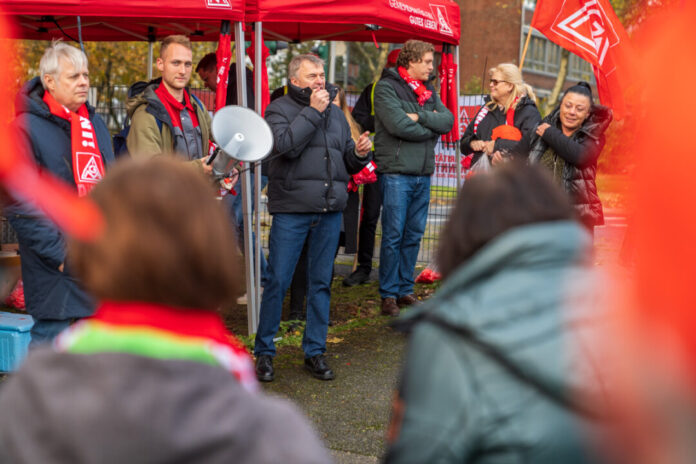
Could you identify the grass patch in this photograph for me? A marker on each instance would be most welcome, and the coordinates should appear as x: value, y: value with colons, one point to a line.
x: 352, y: 308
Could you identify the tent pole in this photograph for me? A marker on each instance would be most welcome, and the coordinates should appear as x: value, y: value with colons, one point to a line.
x: 457, y: 151
x: 252, y: 309
x: 332, y: 62
x: 149, y: 61
x: 258, y: 57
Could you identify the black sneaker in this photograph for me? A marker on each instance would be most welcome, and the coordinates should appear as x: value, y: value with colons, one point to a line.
x: 360, y: 276
x: 318, y: 367
x: 264, y: 368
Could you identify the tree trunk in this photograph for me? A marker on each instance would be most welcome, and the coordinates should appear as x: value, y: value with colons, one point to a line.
x: 560, y: 79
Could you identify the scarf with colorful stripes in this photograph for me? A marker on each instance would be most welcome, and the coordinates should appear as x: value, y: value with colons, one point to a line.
x: 160, y: 332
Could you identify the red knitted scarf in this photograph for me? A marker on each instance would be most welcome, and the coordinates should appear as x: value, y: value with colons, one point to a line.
x: 417, y: 86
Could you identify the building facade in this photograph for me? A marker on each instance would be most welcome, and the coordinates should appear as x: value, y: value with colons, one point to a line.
x: 494, y: 31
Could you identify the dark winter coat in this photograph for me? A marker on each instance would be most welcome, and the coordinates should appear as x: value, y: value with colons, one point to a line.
x: 49, y: 293
x: 403, y: 146
x: 529, y: 294
x: 526, y: 119
x: 313, y: 155
x: 580, y: 152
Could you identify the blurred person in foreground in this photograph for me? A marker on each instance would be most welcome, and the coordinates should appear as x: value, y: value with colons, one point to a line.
x: 154, y: 376
x: 568, y: 143
x: 505, y: 124
x: 64, y: 136
x: 498, y: 359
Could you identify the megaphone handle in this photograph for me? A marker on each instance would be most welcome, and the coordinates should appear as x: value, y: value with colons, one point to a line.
x: 211, y: 158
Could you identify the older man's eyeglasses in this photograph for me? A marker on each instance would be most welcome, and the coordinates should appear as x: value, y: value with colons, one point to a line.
x: 496, y: 82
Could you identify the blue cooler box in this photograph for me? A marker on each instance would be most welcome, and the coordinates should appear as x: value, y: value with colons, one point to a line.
x: 14, y: 339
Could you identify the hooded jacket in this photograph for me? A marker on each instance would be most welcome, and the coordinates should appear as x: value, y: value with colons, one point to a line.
x: 526, y: 119
x: 146, y: 137
x: 114, y: 408
x: 403, y: 146
x: 580, y: 152
x: 528, y: 293
x: 49, y: 293
x: 313, y: 155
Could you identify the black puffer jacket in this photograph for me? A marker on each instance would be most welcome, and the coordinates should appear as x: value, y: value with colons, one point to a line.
x: 580, y: 152
x: 526, y: 119
x: 313, y: 156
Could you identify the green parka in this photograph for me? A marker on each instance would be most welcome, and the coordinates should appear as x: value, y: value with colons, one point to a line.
x: 529, y: 294
x: 403, y: 146
x: 148, y: 138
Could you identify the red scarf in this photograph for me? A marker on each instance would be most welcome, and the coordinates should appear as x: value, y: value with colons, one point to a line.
x: 417, y: 86
x: 175, y: 107
x: 88, y: 166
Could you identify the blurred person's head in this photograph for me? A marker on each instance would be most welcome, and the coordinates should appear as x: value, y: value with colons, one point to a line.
x: 392, y: 58
x: 65, y: 75
x: 416, y: 57
x: 207, y: 71
x: 575, y: 107
x: 175, y: 63
x: 506, y: 85
x: 307, y: 71
x: 492, y: 203
x: 166, y: 239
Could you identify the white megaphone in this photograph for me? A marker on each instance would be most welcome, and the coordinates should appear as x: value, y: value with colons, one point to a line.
x: 242, y: 135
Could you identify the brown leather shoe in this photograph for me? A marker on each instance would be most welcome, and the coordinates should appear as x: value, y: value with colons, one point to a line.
x: 389, y: 307
x: 407, y: 300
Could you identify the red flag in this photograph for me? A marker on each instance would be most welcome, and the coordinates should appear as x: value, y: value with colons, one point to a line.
x: 448, y: 90
x: 224, y: 57
x: 265, y: 53
x: 444, y: 83
x: 591, y: 30
x: 453, y: 98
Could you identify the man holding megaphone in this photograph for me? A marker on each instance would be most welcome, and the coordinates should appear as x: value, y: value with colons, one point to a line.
x: 311, y: 165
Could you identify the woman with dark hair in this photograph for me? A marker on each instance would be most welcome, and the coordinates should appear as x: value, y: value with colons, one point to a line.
x: 153, y: 376
x: 492, y: 367
x: 568, y: 142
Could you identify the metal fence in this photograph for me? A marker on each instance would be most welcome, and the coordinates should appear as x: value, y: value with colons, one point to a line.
x: 112, y: 107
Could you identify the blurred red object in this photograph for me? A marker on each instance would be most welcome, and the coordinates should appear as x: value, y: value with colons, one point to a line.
x: 428, y: 276
x: 655, y: 332
x: 16, y: 297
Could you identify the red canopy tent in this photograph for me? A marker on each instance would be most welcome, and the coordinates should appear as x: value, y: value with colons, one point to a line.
x: 122, y: 19
x: 357, y: 20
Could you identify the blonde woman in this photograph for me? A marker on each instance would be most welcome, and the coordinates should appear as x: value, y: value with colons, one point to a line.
x: 511, y: 103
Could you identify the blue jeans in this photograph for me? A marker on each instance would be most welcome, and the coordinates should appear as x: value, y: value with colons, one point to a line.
x: 405, y: 202
x: 288, y: 234
x: 235, y: 203
x: 45, y: 330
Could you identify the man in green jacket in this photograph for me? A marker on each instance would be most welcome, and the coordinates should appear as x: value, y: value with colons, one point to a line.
x: 409, y: 118
x: 165, y: 117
